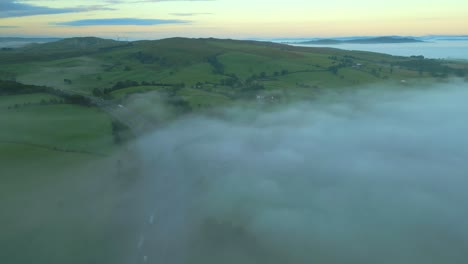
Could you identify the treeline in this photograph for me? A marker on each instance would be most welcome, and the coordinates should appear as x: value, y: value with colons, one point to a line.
x: 128, y: 83
x: 120, y: 132
x: 218, y: 67
x: 434, y: 67
x: 16, y: 88
x: 51, y: 101
x: 53, y: 148
x: 145, y: 58
x: 340, y: 62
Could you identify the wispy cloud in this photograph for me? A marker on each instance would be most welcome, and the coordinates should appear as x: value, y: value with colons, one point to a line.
x: 176, y: 0
x: 8, y: 26
x: 153, y: 1
x: 190, y: 14
x: 11, y: 8
x: 121, y: 21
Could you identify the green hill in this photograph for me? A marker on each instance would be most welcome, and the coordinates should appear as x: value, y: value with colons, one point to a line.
x: 229, y: 68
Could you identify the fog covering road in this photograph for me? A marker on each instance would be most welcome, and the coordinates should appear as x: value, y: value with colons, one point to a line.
x: 152, y: 205
x: 293, y: 186
x: 160, y: 200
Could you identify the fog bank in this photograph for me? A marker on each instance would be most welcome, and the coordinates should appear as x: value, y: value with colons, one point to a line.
x: 372, y: 176
x: 437, y: 49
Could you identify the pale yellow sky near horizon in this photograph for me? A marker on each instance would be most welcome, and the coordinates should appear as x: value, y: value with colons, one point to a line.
x: 139, y: 19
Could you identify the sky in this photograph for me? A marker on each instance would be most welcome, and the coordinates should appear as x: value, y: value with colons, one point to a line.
x: 155, y: 19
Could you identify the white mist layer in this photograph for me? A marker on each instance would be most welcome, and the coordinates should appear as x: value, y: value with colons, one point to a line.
x: 378, y: 176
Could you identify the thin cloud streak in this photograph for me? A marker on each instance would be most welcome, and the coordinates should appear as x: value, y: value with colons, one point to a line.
x: 190, y: 14
x: 153, y: 1
x: 121, y: 22
x: 11, y: 8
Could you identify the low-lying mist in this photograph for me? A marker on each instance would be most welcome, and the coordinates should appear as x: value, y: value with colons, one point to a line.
x: 378, y: 175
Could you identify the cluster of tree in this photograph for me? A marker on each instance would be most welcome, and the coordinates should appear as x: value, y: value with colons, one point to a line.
x: 281, y: 73
x: 120, y: 132
x: 182, y: 105
x: 13, y: 88
x: 251, y: 85
x: 231, y: 81
x: 51, y: 101
x: 145, y: 58
x: 334, y: 69
x: 77, y: 99
x: 256, y: 86
x: 105, y: 93
x: 218, y: 67
x: 340, y: 62
x: 434, y: 67
x: 250, y: 82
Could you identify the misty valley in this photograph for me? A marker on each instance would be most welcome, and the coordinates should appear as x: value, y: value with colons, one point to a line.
x: 207, y: 150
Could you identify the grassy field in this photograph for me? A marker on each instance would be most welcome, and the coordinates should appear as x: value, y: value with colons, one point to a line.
x: 199, y: 98
x: 60, y: 126
x: 58, y: 189
x: 137, y: 90
x: 56, y: 207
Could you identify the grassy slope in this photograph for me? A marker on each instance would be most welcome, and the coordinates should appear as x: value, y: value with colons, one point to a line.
x: 50, y: 191
x: 65, y: 127
x: 56, y: 207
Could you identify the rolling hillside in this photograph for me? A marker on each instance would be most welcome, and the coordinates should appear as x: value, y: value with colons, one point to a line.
x: 231, y: 68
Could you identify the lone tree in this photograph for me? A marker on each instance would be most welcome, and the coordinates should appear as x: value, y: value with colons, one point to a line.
x: 333, y: 69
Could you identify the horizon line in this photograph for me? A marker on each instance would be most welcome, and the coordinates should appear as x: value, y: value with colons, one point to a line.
x: 236, y: 38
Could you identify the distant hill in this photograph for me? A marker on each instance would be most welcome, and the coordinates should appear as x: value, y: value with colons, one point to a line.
x: 384, y: 40
x: 376, y: 40
x: 63, y: 48
x: 324, y: 42
x: 20, y: 42
x: 38, y: 40
x: 73, y: 44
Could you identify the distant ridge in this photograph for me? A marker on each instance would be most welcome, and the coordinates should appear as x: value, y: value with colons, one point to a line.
x: 13, y: 42
x: 77, y: 43
x: 40, y: 40
x: 374, y: 40
x: 74, y: 46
